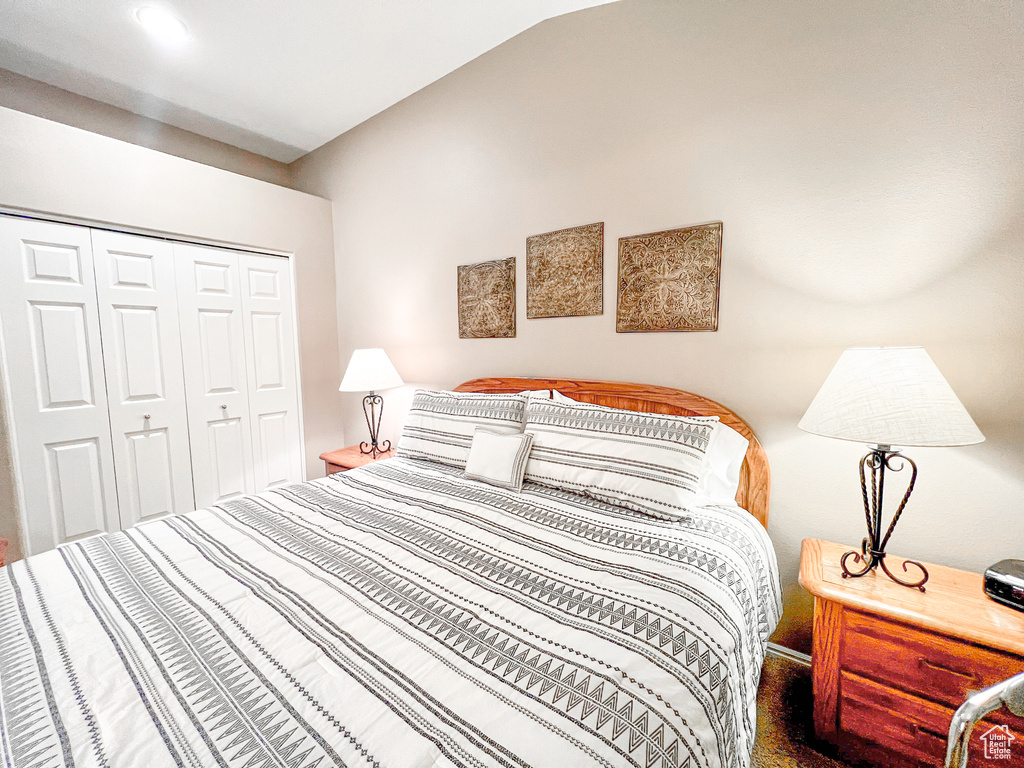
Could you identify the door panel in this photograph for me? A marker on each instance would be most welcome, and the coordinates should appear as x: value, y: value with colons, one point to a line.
x: 133, y: 270
x: 137, y: 292
x: 139, y: 358
x: 149, y: 454
x: 270, y: 354
x: 60, y: 350
x: 268, y: 351
x: 273, y: 434
x: 55, y: 383
x: 221, y: 347
x: 213, y: 277
x: 50, y: 262
x: 227, y: 440
x: 75, y: 489
x: 216, y: 391
x: 264, y: 283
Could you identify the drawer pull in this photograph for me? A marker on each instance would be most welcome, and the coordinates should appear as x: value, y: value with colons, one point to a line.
x: 947, y: 670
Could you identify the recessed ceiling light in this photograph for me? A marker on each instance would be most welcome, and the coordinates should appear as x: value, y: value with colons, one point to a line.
x: 162, y: 24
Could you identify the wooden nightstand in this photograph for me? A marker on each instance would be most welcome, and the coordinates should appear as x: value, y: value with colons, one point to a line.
x: 349, y: 458
x: 892, y: 664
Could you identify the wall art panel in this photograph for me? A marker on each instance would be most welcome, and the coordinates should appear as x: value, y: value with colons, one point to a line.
x: 487, y: 299
x: 669, y: 281
x: 565, y: 272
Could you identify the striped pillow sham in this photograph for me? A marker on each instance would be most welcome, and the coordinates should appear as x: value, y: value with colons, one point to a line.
x: 648, y: 462
x: 440, y: 424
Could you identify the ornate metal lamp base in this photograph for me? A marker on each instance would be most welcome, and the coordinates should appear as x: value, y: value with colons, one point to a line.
x: 872, y: 549
x: 370, y: 410
x: 872, y: 560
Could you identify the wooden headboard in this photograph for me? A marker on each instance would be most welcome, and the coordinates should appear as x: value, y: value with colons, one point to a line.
x: 755, y: 478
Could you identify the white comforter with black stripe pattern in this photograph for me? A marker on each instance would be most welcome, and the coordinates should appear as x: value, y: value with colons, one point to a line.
x: 397, y: 615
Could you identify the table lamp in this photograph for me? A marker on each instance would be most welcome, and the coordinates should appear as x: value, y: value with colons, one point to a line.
x: 887, y: 396
x: 369, y: 370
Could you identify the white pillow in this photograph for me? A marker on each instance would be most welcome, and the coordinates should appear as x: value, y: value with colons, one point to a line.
x: 498, y: 459
x: 548, y: 394
x: 720, y: 476
x: 440, y: 424
x: 649, y: 462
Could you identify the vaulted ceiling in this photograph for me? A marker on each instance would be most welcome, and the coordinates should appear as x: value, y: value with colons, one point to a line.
x: 273, y: 77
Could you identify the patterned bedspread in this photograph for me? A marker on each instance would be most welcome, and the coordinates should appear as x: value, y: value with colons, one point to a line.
x: 397, y: 615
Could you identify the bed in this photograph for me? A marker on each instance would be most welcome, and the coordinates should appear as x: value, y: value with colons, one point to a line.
x: 402, y: 615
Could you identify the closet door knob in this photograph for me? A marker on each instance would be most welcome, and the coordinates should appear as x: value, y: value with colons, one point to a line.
x: 223, y: 407
x: 145, y: 416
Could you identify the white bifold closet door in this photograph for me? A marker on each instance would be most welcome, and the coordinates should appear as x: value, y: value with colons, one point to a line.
x: 240, y: 380
x: 54, y: 364
x: 144, y: 377
x: 138, y: 309
x: 273, y: 384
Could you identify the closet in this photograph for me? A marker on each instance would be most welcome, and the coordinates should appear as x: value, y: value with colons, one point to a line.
x: 143, y: 376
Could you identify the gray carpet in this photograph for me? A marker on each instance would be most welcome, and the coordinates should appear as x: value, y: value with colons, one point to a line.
x: 785, y: 725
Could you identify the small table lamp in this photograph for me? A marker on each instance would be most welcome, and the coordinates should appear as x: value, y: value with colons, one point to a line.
x: 887, y: 396
x: 369, y: 370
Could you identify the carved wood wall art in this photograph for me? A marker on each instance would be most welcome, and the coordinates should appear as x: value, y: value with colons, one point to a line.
x: 565, y: 272
x: 487, y: 300
x: 668, y: 281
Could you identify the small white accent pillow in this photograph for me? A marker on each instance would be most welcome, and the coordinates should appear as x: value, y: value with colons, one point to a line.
x: 498, y: 459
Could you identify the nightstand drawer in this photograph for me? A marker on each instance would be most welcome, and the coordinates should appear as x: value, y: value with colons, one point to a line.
x: 915, y: 728
x: 931, y: 665
x: 892, y: 664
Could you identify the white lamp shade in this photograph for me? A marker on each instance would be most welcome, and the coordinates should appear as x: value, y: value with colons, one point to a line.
x: 370, y: 370
x: 889, y: 396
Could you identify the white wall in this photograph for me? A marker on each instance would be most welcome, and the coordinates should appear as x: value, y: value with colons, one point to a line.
x: 867, y: 160
x: 43, y: 100
x: 49, y: 168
